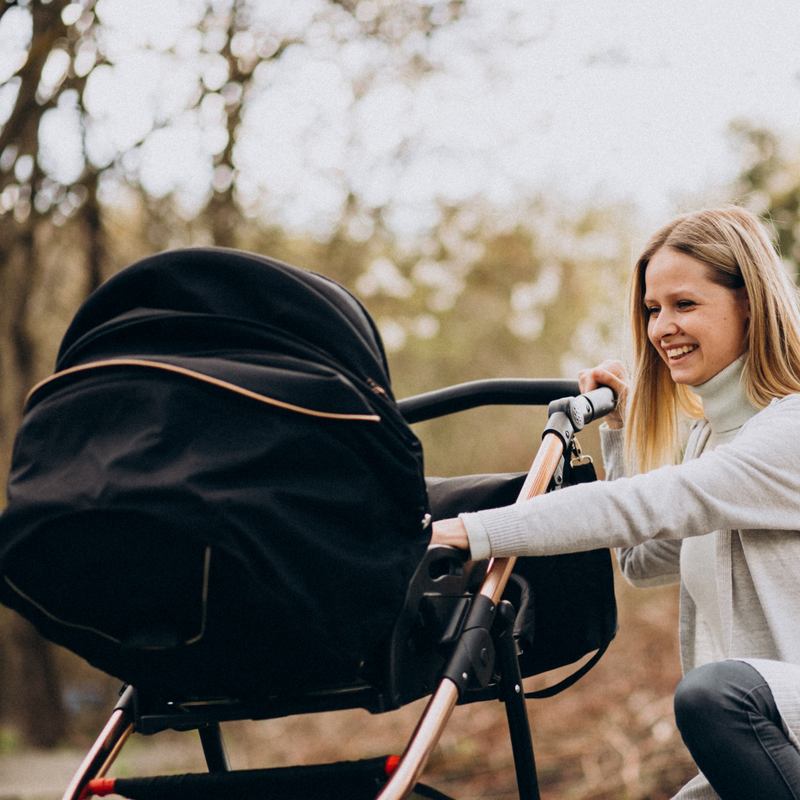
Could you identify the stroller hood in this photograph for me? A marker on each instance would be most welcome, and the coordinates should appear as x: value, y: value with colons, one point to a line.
x: 227, y: 310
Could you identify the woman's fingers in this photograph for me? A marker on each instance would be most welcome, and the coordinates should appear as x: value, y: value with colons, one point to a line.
x: 612, y: 374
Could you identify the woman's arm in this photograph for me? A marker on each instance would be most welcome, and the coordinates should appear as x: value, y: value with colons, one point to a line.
x: 753, y: 483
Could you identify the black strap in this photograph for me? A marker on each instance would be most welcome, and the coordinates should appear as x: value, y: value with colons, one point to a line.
x: 570, y: 679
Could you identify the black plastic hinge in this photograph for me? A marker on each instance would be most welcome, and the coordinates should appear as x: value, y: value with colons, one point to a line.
x: 472, y: 664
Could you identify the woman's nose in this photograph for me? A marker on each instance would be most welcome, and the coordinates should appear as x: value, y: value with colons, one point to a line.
x: 664, y: 325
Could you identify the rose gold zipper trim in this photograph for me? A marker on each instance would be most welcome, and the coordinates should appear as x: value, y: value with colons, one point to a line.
x: 232, y: 387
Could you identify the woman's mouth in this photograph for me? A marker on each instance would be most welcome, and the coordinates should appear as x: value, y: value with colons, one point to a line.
x: 677, y: 352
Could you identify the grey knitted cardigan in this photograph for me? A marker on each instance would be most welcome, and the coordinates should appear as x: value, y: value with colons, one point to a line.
x: 747, y: 491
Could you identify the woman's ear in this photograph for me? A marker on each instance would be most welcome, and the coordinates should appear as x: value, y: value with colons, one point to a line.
x: 745, y: 302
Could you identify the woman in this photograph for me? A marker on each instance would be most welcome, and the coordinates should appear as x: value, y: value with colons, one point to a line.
x: 716, y: 335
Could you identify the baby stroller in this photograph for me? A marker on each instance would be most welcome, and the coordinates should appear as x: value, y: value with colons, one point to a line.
x: 217, y: 499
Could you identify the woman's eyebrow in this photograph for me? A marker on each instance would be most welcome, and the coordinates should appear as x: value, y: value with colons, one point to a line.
x: 688, y: 292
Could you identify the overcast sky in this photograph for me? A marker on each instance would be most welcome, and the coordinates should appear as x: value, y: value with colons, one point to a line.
x: 604, y: 99
x: 635, y: 97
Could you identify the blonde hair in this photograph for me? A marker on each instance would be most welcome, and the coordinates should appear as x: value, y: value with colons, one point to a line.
x: 738, y: 251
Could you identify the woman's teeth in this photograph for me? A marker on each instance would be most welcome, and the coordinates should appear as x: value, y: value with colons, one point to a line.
x: 679, y: 351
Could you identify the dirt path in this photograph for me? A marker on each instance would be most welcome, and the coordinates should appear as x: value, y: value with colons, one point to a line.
x: 37, y: 775
x: 45, y: 774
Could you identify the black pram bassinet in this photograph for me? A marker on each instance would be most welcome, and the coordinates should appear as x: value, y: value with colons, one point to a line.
x: 266, y: 493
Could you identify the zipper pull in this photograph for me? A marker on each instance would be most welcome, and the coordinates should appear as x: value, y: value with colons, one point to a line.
x: 377, y: 388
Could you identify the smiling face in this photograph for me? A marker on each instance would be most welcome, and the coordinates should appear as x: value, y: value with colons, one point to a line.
x: 698, y: 327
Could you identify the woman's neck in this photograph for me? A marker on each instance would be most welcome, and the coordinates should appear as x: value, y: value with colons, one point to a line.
x: 725, y: 403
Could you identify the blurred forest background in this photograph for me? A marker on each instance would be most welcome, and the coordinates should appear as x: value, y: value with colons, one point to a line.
x: 94, y: 176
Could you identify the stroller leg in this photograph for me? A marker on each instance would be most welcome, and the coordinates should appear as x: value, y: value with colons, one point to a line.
x: 422, y: 743
x: 214, y: 748
x: 106, y: 748
x: 516, y: 711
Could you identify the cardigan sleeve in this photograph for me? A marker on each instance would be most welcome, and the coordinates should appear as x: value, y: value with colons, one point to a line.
x: 752, y: 483
x: 612, y: 446
x: 658, y: 563
x: 651, y: 563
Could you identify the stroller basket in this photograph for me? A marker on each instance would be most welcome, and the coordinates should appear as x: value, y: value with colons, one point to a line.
x: 217, y: 499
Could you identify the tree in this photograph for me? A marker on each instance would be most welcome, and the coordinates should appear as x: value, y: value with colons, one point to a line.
x: 32, y: 201
x: 769, y: 184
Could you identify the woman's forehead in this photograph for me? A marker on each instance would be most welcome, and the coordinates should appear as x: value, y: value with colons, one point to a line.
x: 671, y: 271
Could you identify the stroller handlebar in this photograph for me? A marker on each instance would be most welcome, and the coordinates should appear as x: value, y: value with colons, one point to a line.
x: 603, y: 401
x: 583, y: 408
x: 499, y: 391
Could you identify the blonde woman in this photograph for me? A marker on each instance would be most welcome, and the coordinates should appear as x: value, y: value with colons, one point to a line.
x: 716, y: 340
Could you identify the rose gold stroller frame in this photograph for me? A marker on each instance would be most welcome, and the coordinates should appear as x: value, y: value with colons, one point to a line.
x: 441, y: 705
x: 473, y: 666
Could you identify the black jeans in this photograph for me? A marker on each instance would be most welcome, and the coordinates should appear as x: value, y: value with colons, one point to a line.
x: 729, y: 721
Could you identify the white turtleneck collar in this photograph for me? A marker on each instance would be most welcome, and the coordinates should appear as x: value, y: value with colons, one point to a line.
x: 725, y: 404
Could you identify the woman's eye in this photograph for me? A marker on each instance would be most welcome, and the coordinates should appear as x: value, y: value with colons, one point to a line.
x: 685, y: 304
x: 651, y: 312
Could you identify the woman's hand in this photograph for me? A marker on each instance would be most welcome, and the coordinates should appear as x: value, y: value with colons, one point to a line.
x: 611, y: 374
x: 450, y: 532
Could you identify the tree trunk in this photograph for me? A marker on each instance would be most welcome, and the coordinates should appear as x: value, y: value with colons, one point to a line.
x: 35, y: 705
x: 16, y: 350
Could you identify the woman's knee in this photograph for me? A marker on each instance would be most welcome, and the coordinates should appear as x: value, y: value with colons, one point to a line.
x: 709, y: 694
x: 696, y: 697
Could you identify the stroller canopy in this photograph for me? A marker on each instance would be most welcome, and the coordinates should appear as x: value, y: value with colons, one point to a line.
x: 227, y: 309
